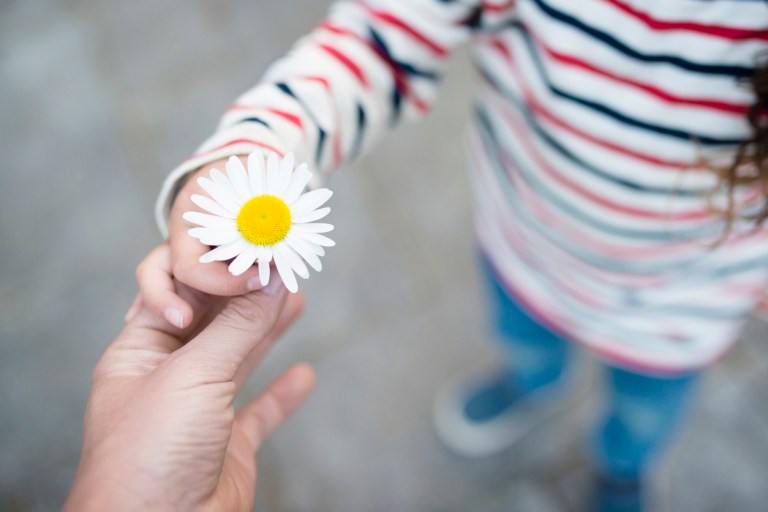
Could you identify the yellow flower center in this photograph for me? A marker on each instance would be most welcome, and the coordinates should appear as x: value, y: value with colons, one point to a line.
x: 264, y: 220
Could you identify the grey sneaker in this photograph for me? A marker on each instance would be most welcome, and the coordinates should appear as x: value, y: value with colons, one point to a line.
x: 479, y: 415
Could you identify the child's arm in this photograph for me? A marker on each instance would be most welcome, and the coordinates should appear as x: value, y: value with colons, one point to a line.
x: 370, y: 64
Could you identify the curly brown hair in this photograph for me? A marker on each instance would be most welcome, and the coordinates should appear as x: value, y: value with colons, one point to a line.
x: 749, y: 167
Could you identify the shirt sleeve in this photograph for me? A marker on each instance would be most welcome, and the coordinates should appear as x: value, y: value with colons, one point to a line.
x: 368, y: 65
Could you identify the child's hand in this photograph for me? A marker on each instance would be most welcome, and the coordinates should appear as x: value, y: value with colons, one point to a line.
x: 180, y: 259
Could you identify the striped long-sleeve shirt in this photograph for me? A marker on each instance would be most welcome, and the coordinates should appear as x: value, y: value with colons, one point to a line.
x: 591, y: 123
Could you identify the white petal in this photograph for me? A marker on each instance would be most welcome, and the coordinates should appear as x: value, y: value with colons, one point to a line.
x: 309, y: 201
x: 264, y: 272
x: 244, y: 260
x: 264, y: 256
x: 257, y: 173
x: 317, y: 249
x: 315, y: 227
x: 265, y: 253
x: 238, y: 177
x: 284, y: 176
x: 209, y: 221
x: 303, y: 250
x: 225, y: 252
x: 220, y: 194
x: 209, y: 205
x: 209, y: 236
x: 299, y: 180
x: 313, y: 247
x: 297, y: 264
x: 318, y: 239
x: 286, y: 274
x: 222, y: 180
x: 312, y: 216
x: 273, y: 172
x: 273, y: 162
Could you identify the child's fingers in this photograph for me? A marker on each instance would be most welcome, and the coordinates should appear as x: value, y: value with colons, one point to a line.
x: 213, y: 278
x: 157, y: 289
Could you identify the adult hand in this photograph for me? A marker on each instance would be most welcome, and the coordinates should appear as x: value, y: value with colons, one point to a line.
x: 161, y: 432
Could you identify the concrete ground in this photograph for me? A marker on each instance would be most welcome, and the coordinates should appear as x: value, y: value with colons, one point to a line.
x: 101, y: 99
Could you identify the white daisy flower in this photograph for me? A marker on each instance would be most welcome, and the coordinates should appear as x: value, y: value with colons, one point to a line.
x: 260, y: 215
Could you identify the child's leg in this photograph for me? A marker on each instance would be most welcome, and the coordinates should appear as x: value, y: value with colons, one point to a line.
x: 533, y: 356
x: 641, y: 415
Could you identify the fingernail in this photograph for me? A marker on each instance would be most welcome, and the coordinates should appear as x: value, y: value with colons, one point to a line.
x: 175, y: 317
x: 274, y: 286
x: 254, y: 284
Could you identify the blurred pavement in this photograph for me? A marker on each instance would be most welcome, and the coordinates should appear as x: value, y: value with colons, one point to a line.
x: 101, y: 99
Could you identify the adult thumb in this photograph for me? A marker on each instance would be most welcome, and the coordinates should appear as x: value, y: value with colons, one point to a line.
x: 244, y: 323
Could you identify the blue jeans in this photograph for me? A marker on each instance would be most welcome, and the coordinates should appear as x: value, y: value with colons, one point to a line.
x: 641, y: 412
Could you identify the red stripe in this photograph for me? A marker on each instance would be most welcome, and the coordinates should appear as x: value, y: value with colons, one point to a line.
x: 291, y: 118
x: 570, y: 60
x: 237, y: 141
x: 338, y: 154
x: 319, y: 79
x: 242, y: 106
x: 347, y: 62
x: 712, y: 30
x: 498, y: 8
x: 390, y: 19
x: 502, y: 49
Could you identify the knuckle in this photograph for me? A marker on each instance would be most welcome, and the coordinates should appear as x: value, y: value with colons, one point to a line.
x: 140, y: 268
x: 181, y: 269
x: 244, y: 311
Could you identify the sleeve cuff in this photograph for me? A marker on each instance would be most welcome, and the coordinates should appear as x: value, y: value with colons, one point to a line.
x: 237, y: 140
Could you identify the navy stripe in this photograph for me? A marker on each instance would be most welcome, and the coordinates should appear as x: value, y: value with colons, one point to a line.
x: 561, y: 149
x: 358, y: 144
x: 614, y: 114
x: 257, y: 120
x: 407, y: 68
x: 397, y: 106
x: 321, y: 134
x: 697, y: 67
